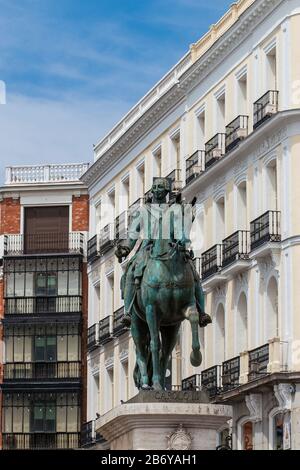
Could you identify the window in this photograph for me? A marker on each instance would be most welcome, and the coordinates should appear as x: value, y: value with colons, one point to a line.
x: 141, y: 180
x: 271, y: 69
x: 220, y: 220
x: 175, y: 154
x: 44, y: 417
x: 200, y: 130
x: 220, y: 335
x: 157, y: 163
x: 241, y: 330
x: 271, y: 186
x: 45, y: 348
x: 242, y: 217
x: 247, y: 443
x: 220, y: 112
x: 242, y: 100
x: 46, y: 284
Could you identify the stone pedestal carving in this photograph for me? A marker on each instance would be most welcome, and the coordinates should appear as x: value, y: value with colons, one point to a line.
x: 164, y: 421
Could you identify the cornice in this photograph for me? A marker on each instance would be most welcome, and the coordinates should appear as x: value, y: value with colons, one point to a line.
x: 229, y: 41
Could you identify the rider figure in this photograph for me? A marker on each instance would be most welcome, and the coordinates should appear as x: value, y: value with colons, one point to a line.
x: 131, y: 279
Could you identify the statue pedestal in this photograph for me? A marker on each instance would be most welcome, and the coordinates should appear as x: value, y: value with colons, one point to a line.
x: 164, y: 420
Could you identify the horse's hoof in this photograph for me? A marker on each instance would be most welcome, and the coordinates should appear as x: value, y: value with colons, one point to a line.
x: 196, y: 358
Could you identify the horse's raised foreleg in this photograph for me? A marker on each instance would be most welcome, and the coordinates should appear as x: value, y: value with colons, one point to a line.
x: 153, y: 326
x: 169, y: 335
x: 140, y: 334
x: 192, y: 315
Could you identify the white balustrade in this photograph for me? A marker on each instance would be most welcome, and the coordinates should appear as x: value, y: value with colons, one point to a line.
x: 45, y: 173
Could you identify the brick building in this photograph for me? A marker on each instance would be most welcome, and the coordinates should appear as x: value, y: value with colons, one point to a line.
x: 44, y: 217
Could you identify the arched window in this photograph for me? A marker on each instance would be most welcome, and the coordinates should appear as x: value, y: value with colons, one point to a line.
x: 271, y: 314
x: 220, y: 334
x: 247, y: 437
x: 242, y: 219
x: 271, y: 186
x: 241, y: 325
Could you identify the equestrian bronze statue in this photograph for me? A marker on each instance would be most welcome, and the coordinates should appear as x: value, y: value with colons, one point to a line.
x: 160, y: 286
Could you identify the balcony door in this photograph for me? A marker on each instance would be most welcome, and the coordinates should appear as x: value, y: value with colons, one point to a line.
x: 45, y: 356
x: 46, y: 229
x: 43, y: 425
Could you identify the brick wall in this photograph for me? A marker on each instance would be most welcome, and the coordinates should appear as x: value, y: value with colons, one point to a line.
x: 80, y: 213
x: 10, y: 215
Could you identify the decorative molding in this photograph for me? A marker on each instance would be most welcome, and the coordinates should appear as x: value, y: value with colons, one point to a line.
x: 242, y: 72
x: 254, y: 405
x: 109, y: 363
x: 220, y: 92
x: 194, y: 74
x: 270, y: 142
x: 179, y: 439
x: 200, y: 110
x: 270, y: 46
x: 283, y: 393
x: 123, y: 355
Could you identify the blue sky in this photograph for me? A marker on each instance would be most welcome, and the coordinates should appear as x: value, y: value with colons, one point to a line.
x: 72, y: 68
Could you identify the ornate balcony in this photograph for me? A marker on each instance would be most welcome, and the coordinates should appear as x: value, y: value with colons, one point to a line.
x: 118, y: 327
x: 106, y: 239
x: 104, y: 330
x: 235, y: 251
x: 89, y: 435
x: 211, y: 261
x: 32, y: 174
x: 195, y: 165
x: 92, y: 337
x: 236, y: 131
x: 175, y: 180
x: 265, y: 228
x: 42, y: 305
x: 39, y: 441
x: 258, y: 362
x: 44, y: 243
x: 121, y: 226
x: 214, y: 149
x: 265, y: 107
x: 42, y: 371
x: 211, y: 380
x: 230, y: 373
x: 93, y: 249
x: 191, y: 383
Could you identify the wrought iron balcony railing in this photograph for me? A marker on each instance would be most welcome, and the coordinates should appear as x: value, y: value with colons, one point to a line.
x: 121, y: 226
x: 236, y: 131
x: 265, y: 228
x: 42, y: 305
x: 104, y: 330
x: 44, y: 243
x: 195, y: 165
x: 60, y: 440
x: 118, y: 327
x: 230, y: 373
x: 175, y: 179
x: 236, y: 247
x: 92, y: 336
x: 211, y: 380
x: 191, y: 383
x: 89, y: 435
x: 214, y: 149
x: 265, y: 107
x: 258, y: 362
x: 92, y: 249
x: 211, y: 261
x: 42, y: 370
x: 106, y: 238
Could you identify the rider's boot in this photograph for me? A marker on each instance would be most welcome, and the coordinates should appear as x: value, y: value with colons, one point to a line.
x: 204, y: 318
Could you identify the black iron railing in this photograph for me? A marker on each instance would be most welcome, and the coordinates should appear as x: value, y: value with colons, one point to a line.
x: 214, y: 149
x: 18, y: 441
x: 211, y: 261
x: 106, y: 238
x: 42, y: 305
x: 104, y: 330
x: 236, y: 247
x: 89, y: 435
x: 42, y: 370
x: 258, y: 362
x: 230, y: 373
x: 236, y: 131
x: 121, y: 226
x: 191, y: 383
x: 195, y: 165
x: 175, y: 180
x: 118, y: 326
x: 265, y: 107
x: 92, y: 337
x: 265, y: 228
x: 92, y: 249
x: 211, y: 380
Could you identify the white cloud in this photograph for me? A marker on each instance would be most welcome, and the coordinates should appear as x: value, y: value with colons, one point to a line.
x: 39, y: 131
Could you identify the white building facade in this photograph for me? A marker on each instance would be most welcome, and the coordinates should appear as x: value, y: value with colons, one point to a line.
x: 224, y: 124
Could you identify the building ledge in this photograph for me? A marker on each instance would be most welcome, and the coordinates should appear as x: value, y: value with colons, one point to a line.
x: 265, y: 249
x: 235, y: 267
x: 213, y: 280
x: 259, y: 385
